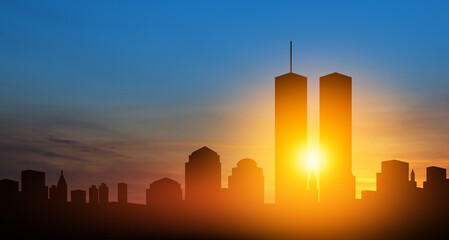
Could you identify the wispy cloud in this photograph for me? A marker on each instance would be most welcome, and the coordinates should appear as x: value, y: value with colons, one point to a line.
x: 7, y: 149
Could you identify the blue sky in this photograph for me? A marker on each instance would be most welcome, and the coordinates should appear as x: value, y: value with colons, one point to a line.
x: 183, y: 71
x: 106, y: 51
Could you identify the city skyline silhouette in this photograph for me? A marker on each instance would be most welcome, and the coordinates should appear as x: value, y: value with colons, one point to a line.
x: 322, y: 202
x: 180, y: 119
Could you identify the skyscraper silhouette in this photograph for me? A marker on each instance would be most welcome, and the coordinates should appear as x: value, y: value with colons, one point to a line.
x: 203, y: 177
x: 34, y: 190
x: 93, y: 195
x: 103, y: 193
x: 61, y: 189
x: 246, y: 184
x: 337, y: 183
x: 290, y: 139
x: 122, y: 192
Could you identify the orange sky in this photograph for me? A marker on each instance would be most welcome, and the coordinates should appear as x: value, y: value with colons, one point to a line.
x: 138, y: 146
x: 387, y: 125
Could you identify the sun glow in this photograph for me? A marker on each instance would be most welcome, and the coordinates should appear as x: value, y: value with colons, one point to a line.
x: 313, y: 159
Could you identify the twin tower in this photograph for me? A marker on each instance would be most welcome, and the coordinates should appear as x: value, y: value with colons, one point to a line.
x: 337, y: 183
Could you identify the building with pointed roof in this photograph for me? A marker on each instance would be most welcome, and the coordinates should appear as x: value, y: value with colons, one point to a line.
x: 61, y: 189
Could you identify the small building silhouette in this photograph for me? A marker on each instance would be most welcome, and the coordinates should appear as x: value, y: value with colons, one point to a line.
x: 393, y: 185
x: 436, y: 185
x: 93, y: 195
x: 164, y: 192
x: 122, y: 192
x: 103, y: 194
x: 434, y: 175
x: 393, y: 178
x: 78, y: 197
x: 9, y: 191
x: 412, y: 179
x: 203, y: 178
x: 33, y: 189
x: 246, y: 184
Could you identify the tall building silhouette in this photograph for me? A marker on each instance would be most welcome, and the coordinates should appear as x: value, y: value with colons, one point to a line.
x: 78, y: 197
x: 164, y: 192
x: 61, y: 189
x: 103, y: 194
x: 122, y: 192
x: 290, y: 139
x: 34, y: 190
x: 93, y: 195
x: 246, y: 184
x: 203, y: 177
x: 337, y: 183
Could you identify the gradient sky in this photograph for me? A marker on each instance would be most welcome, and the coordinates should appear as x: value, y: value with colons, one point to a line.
x: 113, y: 91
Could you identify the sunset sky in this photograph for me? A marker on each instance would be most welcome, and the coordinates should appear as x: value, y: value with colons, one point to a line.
x: 124, y: 91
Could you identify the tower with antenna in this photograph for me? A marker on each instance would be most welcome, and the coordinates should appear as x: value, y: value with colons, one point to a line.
x: 290, y: 139
x: 290, y: 56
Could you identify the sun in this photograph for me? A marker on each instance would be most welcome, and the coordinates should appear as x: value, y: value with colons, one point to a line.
x: 313, y: 159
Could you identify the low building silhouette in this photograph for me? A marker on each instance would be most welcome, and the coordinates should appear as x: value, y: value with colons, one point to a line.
x: 436, y: 186
x: 122, y: 192
x: 246, y: 184
x: 435, y: 179
x: 33, y: 189
x: 395, y: 191
x: 369, y: 196
x: 93, y: 195
x: 78, y: 197
x: 164, y: 192
x: 103, y: 194
x: 9, y: 192
x: 393, y: 180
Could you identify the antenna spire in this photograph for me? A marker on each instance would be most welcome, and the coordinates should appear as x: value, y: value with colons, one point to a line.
x: 290, y: 56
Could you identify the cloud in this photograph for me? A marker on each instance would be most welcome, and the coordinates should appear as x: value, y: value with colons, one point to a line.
x: 6, y: 149
x: 86, y: 147
x: 64, y: 141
